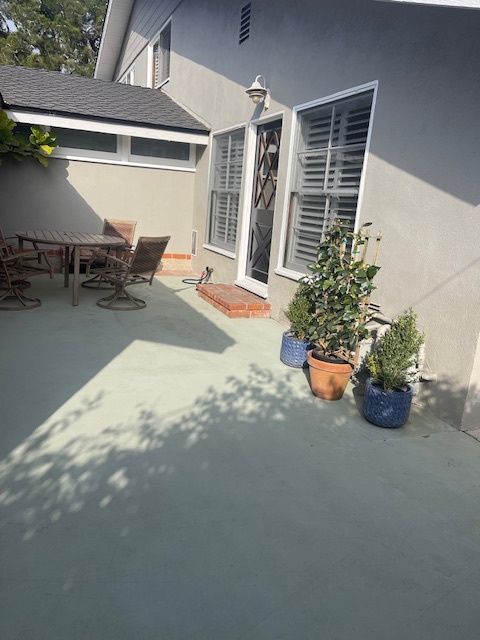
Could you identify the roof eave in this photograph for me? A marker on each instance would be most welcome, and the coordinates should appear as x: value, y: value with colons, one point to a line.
x: 453, y: 4
x: 113, y: 34
x: 105, y: 125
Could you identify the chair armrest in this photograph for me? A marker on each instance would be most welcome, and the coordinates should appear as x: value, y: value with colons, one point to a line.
x: 27, y: 254
x: 118, y: 260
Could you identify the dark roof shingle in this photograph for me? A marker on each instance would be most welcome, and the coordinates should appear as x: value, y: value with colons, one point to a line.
x: 77, y: 96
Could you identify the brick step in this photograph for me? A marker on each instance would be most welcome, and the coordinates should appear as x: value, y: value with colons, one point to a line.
x: 233, y: 301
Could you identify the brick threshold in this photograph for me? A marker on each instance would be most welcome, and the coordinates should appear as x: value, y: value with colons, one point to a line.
x: 233, y: 301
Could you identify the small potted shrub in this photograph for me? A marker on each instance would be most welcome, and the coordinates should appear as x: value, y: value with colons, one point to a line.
x: 392, y: 366
x: 295, y: 342
x: 339, y: 286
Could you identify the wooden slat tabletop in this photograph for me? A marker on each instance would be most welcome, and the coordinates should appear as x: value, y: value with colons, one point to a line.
x: 71, y: 238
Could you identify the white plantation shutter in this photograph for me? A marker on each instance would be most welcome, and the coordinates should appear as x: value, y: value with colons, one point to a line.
x: 225, y: 193
x: 329, y: 162
x: 161, y: 56
x: 165, y: 42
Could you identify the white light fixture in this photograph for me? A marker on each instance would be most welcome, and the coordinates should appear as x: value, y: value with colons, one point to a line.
x: 258, y: 92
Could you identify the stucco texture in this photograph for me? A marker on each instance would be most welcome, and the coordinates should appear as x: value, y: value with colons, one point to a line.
x: 420, y: 185
x: 77, y: 196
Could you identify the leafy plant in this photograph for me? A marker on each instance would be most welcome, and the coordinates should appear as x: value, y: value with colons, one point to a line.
x: 300, y: 312
x: 339, y: 287
x: 52, y: 34
x: 392, y: 363
x: 38, y: 145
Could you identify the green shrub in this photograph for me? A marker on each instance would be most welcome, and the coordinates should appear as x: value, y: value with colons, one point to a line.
x: 339, y: 286
x: 300, y: 312
x: 391, y: 363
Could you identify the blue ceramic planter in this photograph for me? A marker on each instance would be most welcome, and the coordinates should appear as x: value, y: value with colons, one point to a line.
x: 294, y: 352
x: 386, y: 408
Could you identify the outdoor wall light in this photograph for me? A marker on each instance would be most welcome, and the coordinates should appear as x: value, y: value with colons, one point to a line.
x: 258, y: 92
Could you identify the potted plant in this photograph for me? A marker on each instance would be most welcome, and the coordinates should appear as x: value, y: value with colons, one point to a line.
x: 339, y: 284
x: 295, y: 342
x: 392, y: 366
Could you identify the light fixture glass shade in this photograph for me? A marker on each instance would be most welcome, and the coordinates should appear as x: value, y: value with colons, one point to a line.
x: 257, y: 92
x: 256, y: 97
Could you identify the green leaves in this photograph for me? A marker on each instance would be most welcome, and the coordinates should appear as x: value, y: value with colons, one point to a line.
x: 39, y: 143
x: 60, y: 36
x: 339, y: 286
x: 300, y: 312
x: 392, y: 364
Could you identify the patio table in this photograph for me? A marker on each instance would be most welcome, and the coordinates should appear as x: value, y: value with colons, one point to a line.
x: 70, y: 239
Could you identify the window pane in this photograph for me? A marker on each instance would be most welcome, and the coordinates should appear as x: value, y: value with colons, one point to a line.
x: 160, y: 149
x: 161, y: 56
x: 328, y: 168
x: 165, y: 41
x: 93, y: 141
x: 226, y: 186
x: 24, y: 129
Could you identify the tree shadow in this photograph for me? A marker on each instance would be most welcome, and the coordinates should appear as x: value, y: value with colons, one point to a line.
x: 156, y: 513
x: 54, y: 351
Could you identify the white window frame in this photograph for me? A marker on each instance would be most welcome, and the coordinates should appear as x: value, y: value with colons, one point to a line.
x: 151, y: 66
x: 223, y: 250
x: 129, y: 76
x: 123, y: 134
x: 125, y: 157
x: 281, y: 269
x: 162, y: 162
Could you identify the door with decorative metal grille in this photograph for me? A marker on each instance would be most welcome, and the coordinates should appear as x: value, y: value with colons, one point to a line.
x: 263, y: 202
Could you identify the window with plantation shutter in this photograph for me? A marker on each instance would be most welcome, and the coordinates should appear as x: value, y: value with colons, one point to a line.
x: 161, y: 56
x: 329, y: 156
x: 227, y: 163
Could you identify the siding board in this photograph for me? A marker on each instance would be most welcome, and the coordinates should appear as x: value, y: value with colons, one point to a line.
x: 147, y: 18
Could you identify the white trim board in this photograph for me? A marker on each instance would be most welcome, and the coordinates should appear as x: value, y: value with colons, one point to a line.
x: 453, y: 4
x: 281, y: 270
x: 107, y: 127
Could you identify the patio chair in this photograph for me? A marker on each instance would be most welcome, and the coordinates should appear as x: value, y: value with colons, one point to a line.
x: 15, y: 271
x: 120, y: 229
x: 36, y: 261
x: 36, y: 258
x: 139, y: 269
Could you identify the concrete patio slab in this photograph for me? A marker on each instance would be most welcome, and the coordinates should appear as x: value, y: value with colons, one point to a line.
x: 164, y: 476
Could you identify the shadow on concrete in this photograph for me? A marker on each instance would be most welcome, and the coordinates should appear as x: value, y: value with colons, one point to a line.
x: 55, y: 350
x: 251, y: 511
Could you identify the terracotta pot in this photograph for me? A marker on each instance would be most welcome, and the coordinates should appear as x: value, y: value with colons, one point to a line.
x: 328, y: 380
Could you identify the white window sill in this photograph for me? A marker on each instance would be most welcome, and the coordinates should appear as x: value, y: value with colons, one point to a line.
x: 222, y: 252
x: 288, y: 273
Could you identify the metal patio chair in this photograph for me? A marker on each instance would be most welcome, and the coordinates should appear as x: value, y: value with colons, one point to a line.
x: 111, y: 227
x: 139, y: 269
x: 36, y: 258
x: 15, y: 271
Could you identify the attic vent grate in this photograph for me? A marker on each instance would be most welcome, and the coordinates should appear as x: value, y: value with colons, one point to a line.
x: 245, y: 23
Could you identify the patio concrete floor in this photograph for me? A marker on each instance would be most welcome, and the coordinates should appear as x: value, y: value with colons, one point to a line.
x: 164, y: 476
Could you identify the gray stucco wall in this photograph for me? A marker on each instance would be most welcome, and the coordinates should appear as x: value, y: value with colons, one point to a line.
x: 77, y: 196
x: 421, y: 185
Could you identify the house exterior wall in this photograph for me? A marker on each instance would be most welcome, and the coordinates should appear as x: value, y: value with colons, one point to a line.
x: 146, y: 20
x: 77, y: 196
x: 471, y: 413
x: 421, y: 180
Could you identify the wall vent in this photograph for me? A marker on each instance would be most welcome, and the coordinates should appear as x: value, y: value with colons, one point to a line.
x: 245, y: 23
x: 194, y: 243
